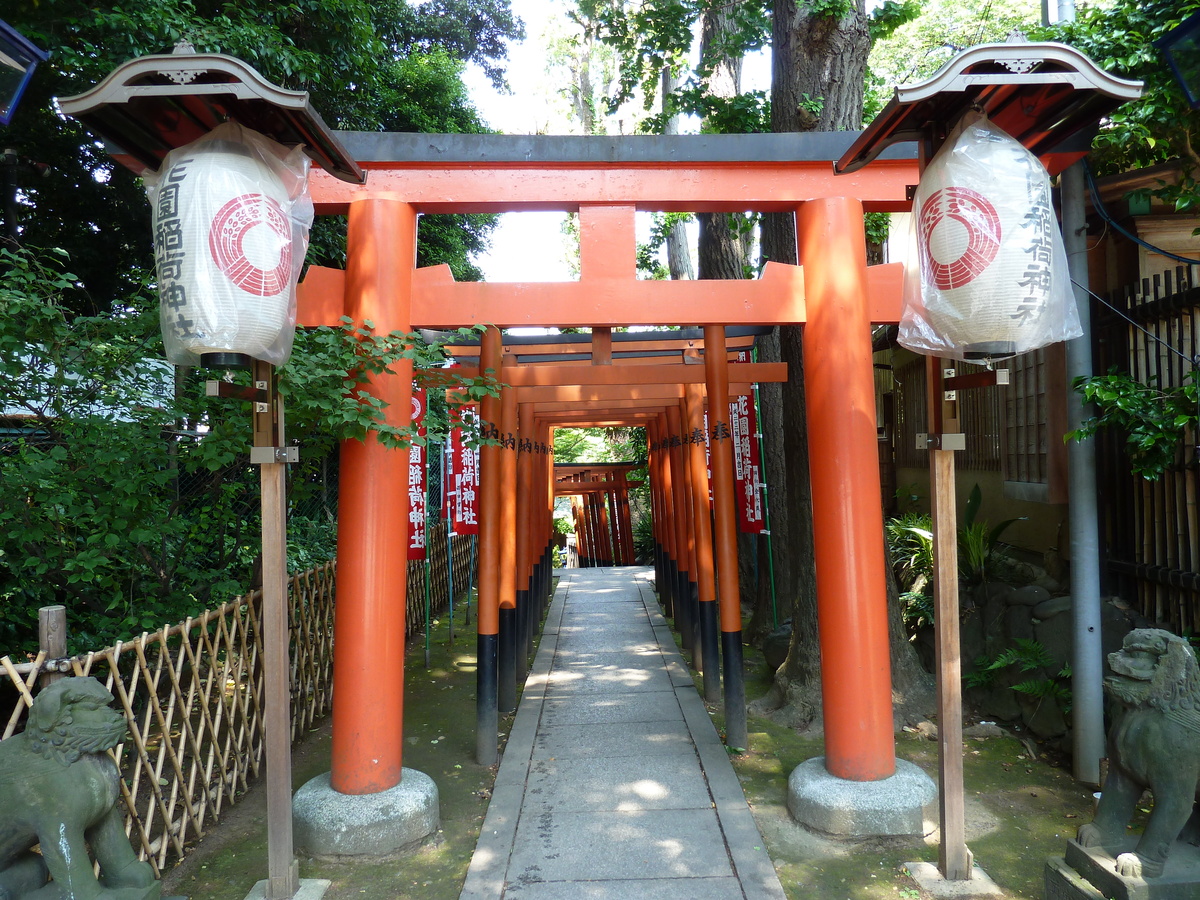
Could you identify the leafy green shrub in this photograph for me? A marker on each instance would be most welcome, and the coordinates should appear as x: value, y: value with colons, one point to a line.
x: 643, y: 538
x: 1028, y: 656
x: 910, y: 548
x: 128, y: 495
x: 1152, y: 419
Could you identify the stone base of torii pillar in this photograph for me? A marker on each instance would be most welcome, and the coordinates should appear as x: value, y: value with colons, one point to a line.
x: 329, y: 823
x: 903, y: 803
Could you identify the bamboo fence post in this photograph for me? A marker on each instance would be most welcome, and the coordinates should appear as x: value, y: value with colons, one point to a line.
x: 52, y: 640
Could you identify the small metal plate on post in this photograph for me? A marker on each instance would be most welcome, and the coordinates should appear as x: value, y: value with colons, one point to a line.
x: 955, y: 440
x: 263, y: 455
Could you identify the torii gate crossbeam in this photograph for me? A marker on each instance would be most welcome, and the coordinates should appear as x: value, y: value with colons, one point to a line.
x: 834, y: 293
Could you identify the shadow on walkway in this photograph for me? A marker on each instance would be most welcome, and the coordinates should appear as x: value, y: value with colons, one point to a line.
x: 614, y: 783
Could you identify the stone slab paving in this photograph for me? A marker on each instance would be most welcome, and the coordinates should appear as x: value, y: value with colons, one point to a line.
x: 614, y: 783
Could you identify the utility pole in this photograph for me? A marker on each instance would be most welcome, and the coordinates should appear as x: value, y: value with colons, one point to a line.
x: 1087, y: 663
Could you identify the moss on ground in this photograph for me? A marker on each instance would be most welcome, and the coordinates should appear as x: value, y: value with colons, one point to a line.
x: 439, y: 738
x: 1019, y: 810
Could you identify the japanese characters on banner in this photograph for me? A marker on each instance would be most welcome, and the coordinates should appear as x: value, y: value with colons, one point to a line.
x: 417, y: 493
x: 708, y: 461
x: 746, y: 464
x: 462, y: 484
x: 746, y: 461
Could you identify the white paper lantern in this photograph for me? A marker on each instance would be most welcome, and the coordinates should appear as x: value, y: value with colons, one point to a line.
x: 991, y: 277
x: 227, y: 248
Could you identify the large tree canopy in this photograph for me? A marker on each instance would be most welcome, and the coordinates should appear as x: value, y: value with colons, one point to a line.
x: 389, y: 66
x: 1160, y: 126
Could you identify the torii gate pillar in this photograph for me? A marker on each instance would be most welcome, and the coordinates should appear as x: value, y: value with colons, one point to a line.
x: 858, y: 787
x: 368, y: 804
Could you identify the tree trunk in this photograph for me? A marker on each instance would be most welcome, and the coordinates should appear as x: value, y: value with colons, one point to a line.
x: 722, y: 251
x: 818, y: 67
x: 679, y: 255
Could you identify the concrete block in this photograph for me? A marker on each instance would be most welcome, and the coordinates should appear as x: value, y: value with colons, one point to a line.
x: 329, y: 823
x: 310, y: 889
x: 929, y: 879
x: 905, y: 803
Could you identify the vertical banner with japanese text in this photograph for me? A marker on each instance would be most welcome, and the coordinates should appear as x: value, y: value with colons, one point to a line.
x: 417, y: 493
x: 746, y: 462
x: 462, y: 481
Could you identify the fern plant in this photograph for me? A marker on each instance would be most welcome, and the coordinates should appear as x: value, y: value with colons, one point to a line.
x: 1028, y: 656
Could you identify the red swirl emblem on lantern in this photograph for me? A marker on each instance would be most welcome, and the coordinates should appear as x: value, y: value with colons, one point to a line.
x: 250, y: 241
x: 960, y: 236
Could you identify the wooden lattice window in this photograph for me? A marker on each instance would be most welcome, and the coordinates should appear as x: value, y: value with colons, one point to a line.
x: 1034, y: 421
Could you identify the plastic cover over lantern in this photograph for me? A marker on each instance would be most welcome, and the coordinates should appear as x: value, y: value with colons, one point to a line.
x: 988, y: 277
x: 231, y: 215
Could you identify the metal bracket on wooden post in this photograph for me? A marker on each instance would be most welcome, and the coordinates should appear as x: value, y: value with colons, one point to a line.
x: 953, y: 441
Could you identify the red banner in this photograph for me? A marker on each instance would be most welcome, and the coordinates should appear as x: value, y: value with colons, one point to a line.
x: 746, y: 465
x: 462, y: 484
x: 417, y: 491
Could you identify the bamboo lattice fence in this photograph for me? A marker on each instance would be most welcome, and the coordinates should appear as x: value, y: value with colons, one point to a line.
x: 192, y: 694
x: 1152, y: 528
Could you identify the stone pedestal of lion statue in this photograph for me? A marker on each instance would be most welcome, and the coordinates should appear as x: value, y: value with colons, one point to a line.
x: 59, y: 790
x: 1153, y: 744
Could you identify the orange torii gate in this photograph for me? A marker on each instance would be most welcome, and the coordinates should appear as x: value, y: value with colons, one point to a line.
x: 602, y: 483
x: 608, y: 385
x: 833, y: 293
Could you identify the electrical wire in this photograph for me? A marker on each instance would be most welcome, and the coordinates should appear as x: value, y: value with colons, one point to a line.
x: 1193, y: 361
x: 1103, y: 212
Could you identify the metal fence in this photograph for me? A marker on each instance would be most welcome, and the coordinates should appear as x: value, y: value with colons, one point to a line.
x: 1152, y: 528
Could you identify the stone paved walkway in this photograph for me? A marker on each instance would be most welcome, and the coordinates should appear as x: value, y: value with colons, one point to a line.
x: 614, y: 783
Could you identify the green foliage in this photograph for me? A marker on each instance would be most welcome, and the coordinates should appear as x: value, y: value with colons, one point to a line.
x: 910, y: 548
x: 830, y: 9
x: 643, y: 538
x: 600, y: 445
x: 1153, y: 420
x: 661, y: 226
x: 1028, y: 656
x: 111, y: 506
x: 327, y: 382
x: 979, y: 547
x: 913, y: 40
x: 890, y: 15
x: 655, y: 37
x: 878, y: 225
x: 128, y: 495
x: 1158, y: 126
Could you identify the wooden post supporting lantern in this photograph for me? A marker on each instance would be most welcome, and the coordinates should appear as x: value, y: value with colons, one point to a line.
x: 1049, y: 98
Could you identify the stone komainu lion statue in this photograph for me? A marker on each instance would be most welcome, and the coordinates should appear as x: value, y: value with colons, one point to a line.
x: 58, y: 788
x: 1154, y: 743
